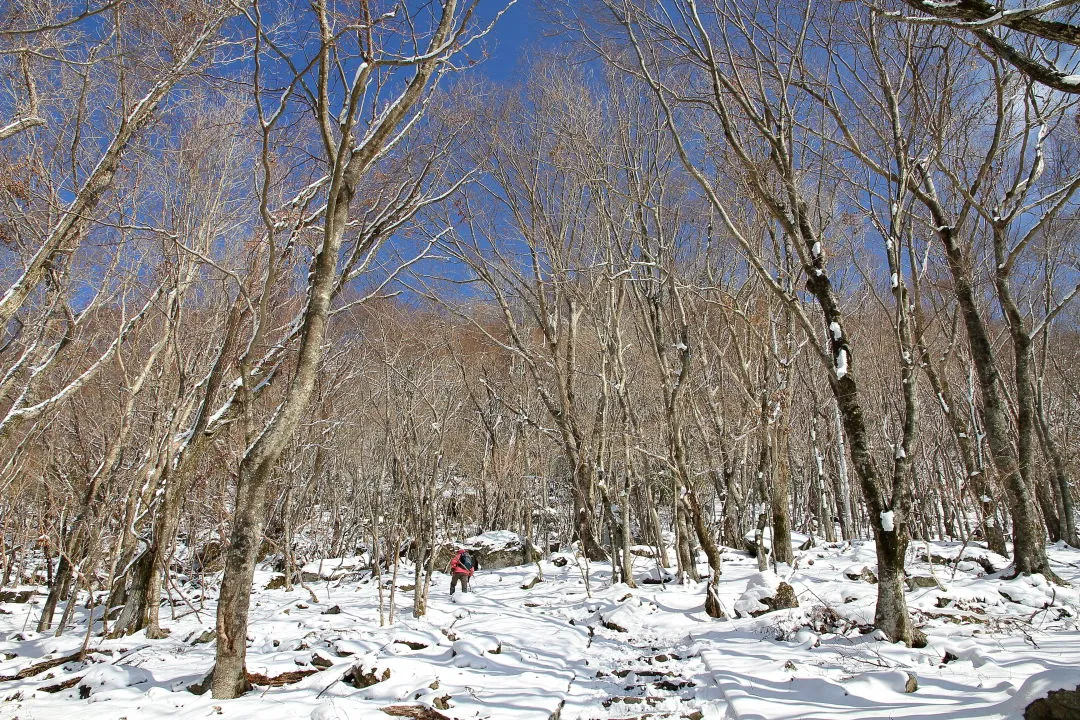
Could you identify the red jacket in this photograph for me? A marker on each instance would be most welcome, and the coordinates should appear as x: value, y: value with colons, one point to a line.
x: 457, y: 567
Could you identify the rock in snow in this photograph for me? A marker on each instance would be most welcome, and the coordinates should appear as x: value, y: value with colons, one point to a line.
x: 764, y: 593
x: 493, y: 550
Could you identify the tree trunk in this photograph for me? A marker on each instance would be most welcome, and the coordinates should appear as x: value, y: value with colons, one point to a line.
x: 842, y: 486
x: 230, y: 673
x: 712, y: 598
x: 584, y: 511
x: 1060, y: 474
x: 57, y: 590
x: 780, y: 501
x: 891, y: 613
x: 1029, y: 551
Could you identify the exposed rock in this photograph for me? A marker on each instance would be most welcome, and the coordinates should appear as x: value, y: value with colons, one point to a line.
x: 335, y: 610
x: 651, y: 700
x: 285, y: 678
x: 16, y: 596
x: 614, y: 626
x: 1058, y: 705
x: 988, y: 561
x: 784, y: 598
x: 861, y: 572
x: 65, y: 685
x: 38, y: 668
x: 412, y: 645
x: 200, y: 687
x: 360, y: 678
x: 417, y: 712
x: 918, y: 638
x: 912, y: 683
x: 922, y: 581
x: 560, y: 561
x: 277, y: 582
x: 765, y: 593
x: 329, y: 569
x: 320, y: 661
x: 492, y: 550
x: 207, y: 636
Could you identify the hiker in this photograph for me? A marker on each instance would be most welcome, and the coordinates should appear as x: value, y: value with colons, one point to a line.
x: 461, y: 569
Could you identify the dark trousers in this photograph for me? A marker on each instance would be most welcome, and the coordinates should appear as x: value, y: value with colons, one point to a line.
x: 457, y: 577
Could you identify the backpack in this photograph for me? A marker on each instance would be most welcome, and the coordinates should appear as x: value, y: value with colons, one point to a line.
x: 466, y: 561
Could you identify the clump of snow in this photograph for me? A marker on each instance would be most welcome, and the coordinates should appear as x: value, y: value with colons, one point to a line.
x: 887, y: 521
x: 398, y: 686
x: 758, y: 587
x: 806, y: 639
x: 858, y: 571
x: 463, y: 598
x: 473, y: 652
x: 841, y: 363
x: 1029, y: 590
x: 495, y: 540
x: 328, y: 710
x: 627, y: 617
x: 101, y: 679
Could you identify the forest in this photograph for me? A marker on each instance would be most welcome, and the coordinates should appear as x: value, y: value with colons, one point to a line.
x: 699, y: 298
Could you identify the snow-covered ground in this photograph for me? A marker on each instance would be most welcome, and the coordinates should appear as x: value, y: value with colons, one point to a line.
x: 508, y: 652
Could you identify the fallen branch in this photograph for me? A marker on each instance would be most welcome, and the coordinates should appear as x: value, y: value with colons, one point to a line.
x: 41, y: 667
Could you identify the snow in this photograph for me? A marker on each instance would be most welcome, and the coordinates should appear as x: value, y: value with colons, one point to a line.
x: 841, y: 363
x: 760, y: 586
x: 995, y: 645
x: 495, y: 540
x: 462, y: 598
x: 797, y: 539
x: 334, y: 568
x: 834, y: 328
x: 104, y: 682
x: 887, y: 521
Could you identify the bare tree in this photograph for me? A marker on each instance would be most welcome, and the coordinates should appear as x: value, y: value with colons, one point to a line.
x: 1034, y: 37
x: 420, y: 46
x: 736, y: 77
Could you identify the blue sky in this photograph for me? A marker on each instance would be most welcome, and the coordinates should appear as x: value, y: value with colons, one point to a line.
x: 517, y: 31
